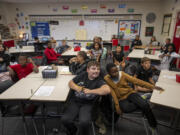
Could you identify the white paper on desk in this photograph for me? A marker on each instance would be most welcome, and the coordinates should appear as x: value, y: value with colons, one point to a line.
x: 44, y: 91
x: 169, y: 77
x: 64, y: 70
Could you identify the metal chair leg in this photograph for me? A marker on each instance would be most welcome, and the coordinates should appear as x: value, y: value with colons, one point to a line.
x: 35, y: 127
x: 2, y: 128
x: 145, y: 126
x: 93, y: 129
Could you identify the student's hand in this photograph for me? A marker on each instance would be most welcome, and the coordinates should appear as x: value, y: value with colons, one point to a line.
x: 123, y: 64
x: 30, y: 60
x: 1, y: 59
x: 159, y: 88
x: 87, y: 91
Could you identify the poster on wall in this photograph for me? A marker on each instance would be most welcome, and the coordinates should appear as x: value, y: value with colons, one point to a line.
x: 129, y: 28
x: 149, y: 31
x: 39, y: 29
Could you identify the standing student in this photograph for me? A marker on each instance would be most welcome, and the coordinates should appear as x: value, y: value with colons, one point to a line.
x: 125, y: 97
x: 118, y: 57
x: 4, y: 59
x: 78, y: 64
x: 52, y: 56
x: 62, y: 48
x: 86, y: 87
x: 96, y: 51
x: 136, y: 42
x: 167, y: 57
x: 153, y: 41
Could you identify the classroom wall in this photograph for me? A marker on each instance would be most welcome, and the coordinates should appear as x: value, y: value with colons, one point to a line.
x: 139, y: 7
x: 170, y: 7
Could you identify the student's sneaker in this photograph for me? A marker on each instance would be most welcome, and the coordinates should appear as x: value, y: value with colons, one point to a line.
x: 154, y: 131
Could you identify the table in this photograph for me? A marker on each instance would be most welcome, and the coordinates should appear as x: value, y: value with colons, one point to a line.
x: 24, y: 49
x: 41, y: 68
x: 71, y: 52
x: 139, y: 54
x: 170, y: 97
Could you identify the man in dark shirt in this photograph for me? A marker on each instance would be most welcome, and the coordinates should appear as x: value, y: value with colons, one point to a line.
x: 144, y: 72
x: 136, y: 42
x: 86, y: 87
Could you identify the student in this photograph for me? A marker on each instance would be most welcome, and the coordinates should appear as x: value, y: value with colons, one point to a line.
x: 86, y: 88
x: 167, y: 57
x: 118, y: 57
x: 145, y: 73
x: 168, y: 42
x: 126, y: 97
x: 53, y: 41
x: 24, y: 68
x: 95, y: 40
x: 78, y: 64
x: 153, y: 41
x: 51, y: 55
x: 96, y: 51
x: 62, y: 48
x: 4, y: 59
x: 136, y: 42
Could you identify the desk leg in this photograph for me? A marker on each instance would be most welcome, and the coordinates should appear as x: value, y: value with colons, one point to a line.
x: 43, y: 112
x: 23, y: 118
x: 113, y: 117
x: 175, y: 125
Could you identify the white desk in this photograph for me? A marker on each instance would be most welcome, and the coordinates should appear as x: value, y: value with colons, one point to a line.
x: 23, y: 89
x: 72, y: 52
x: 25, y: 49
x: 170, y: 97
x: 136, y: 53
x: 60, y: 91
x: 41, y: 68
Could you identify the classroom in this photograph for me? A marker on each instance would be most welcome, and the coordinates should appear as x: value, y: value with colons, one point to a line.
x: 89, y: 67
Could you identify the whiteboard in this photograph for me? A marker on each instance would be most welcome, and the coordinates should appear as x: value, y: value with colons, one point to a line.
x: 67, y: 29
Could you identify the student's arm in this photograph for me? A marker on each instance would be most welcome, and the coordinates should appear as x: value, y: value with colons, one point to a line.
x: 12, y: 74
x: 74, y: 86
x: 35, y: 68
x: 103, y: 90
x: 151, y: 80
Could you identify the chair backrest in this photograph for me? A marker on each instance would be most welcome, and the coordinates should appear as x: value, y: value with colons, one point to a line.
x: 44, y: 60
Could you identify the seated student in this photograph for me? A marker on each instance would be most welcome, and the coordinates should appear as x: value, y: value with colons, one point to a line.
x: 136, y: 42
x: 126, y: 97
x: 95, y: 40
x: 51, y: 55
x: 96, y: 51
x: 86, y: 87
x: 144, y: 72
x: 168, y: 43
x: 118, y: 57
x: 78, y: 64
x: 24, y: 67
x: 53, y: 41
x: 167, y: 57
x: 153, y: 41
x: 4, y: 59
x: 62, y: 48
x: 19, y: 71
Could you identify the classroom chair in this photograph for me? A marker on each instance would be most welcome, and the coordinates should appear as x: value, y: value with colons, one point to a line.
x: 127, y: 116
x: 44, y: 60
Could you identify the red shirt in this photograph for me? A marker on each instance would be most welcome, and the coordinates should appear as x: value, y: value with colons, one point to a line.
x: 51, y: 54
x: 22, y: 71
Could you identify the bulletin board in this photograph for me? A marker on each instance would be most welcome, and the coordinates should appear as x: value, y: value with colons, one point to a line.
x: 129, y: 28
x: 39, y: 29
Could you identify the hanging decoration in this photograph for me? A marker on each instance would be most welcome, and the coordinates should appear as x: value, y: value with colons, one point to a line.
x: 130, y: 10
x: 112, y: 10
x: 93, y: 10
x: 103, y: 6
x: 122, y: 5
x: 65, y: 7
x: 74, y: 10
x: 81, y: 23
x: 84, y: 7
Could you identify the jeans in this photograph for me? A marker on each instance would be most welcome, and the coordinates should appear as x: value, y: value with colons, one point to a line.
x: 134, y: 102
x: 79, y: 110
